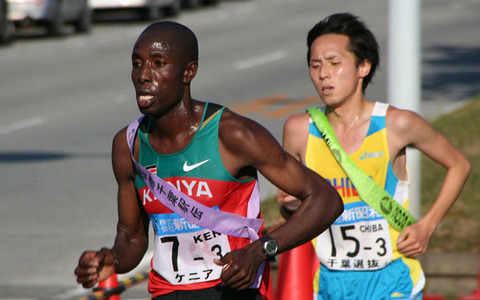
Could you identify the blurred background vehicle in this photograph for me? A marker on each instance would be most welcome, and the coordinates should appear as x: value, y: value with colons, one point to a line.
x: 197, y: 3
x: 6, y: 26
x: 53, y: 14
x: 149, y: 9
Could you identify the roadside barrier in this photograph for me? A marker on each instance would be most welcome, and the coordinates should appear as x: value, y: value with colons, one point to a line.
x: 111, y: 284
x: 433, y: 297
x: 476, y: 292
x: 111, y: 288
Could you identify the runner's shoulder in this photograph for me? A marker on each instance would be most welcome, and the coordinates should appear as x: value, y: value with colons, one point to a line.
x: 297, y: 123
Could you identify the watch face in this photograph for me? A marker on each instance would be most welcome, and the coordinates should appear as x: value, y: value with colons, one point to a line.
x: 271, y: 247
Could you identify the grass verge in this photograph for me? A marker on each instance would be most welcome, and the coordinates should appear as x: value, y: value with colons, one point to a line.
x: 460, y: 229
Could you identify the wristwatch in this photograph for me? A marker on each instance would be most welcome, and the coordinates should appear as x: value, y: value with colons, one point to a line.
x: 269, y: 247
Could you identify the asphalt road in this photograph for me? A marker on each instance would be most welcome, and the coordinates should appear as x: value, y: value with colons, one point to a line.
x: 62, y: 100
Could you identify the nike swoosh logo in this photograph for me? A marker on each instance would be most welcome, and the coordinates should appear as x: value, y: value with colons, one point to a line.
x: 187, y: 168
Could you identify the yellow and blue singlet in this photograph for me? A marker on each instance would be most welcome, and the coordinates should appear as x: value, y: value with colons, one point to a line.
x: 358, y: 253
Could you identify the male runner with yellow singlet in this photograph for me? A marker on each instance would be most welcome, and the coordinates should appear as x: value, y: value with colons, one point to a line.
x: 362, y: 256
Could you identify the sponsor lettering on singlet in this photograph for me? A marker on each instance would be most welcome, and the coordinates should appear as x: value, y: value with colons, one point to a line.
x: 344, y: 186
x: 194, y: 188
x: 355, y: 212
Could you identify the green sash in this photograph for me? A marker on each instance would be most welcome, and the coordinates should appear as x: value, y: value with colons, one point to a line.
x: 368, y: 190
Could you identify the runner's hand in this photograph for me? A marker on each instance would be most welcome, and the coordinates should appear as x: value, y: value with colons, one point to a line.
x: 413, y: 240
x: 95, y: 266
x: 240, y: 267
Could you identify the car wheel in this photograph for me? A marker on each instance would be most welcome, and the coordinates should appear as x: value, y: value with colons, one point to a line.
x: 83, y: 24
x: 211, y: 2
x: 190, y: 3
x: 55, y: 27
x: 152, y: 11
x: 174, y: 8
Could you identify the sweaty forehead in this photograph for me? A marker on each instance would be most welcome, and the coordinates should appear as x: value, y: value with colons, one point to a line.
x: 158, y: 40
x: 330, y: 45
x: 147, y: 36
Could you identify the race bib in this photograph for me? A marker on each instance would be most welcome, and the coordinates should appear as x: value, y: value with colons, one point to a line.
x: 184, y: 252
x: 359, y: 240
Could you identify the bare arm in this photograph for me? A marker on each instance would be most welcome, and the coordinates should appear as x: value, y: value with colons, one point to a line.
x: 131, y: 240
x: 406, y: 128
x: 295, y: 136
x: 246, y: 143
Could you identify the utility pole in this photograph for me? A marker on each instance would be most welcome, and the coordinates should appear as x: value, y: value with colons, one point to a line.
x: 404, y: 76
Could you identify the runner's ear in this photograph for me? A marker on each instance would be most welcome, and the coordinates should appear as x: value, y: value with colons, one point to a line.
x: 190, y: 72
x: 364, y: 68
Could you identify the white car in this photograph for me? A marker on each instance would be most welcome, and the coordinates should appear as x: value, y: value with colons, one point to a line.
x: 151, y: 9
x: 53, y: 14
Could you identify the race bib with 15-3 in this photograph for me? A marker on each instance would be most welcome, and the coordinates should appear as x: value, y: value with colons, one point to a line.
x: 184, y: 252
x: 359, y: 240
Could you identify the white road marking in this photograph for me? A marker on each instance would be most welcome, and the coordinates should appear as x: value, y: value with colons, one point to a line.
x: 36, y: 121
x: 260, y: 60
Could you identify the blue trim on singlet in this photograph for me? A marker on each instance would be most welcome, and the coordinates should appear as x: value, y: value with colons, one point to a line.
x: 391, y: 181
x: 313, y: 130
x: 377, y: 123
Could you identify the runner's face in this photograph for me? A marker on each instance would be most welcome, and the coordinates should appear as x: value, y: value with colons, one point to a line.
x: 333, y: 69
x: 157, y: 73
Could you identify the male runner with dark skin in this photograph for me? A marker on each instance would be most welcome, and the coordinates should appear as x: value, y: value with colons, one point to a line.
x: 164, y: 64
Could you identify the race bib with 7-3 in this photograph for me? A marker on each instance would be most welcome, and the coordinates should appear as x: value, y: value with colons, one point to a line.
x: 184, y: 252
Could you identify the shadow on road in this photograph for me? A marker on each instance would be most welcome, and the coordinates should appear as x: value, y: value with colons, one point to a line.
x: 23, y: 157
x: 455, y: 72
